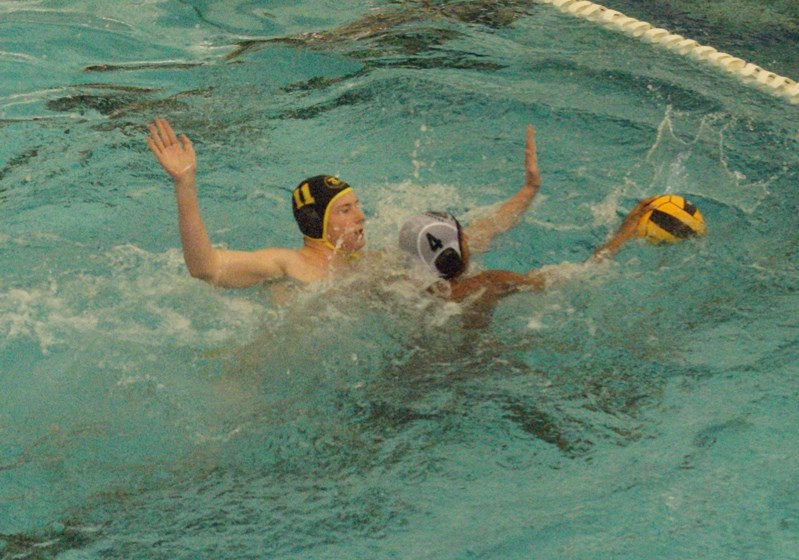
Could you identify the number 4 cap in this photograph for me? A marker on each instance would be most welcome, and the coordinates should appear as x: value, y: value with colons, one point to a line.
x: 434, y: 237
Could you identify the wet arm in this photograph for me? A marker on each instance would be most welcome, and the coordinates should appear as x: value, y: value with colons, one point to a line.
x: 221, y: 267
x: 483, y: 231
x: 177, y: 158
x: 233, y: 269
x: 491, y: 285
x: 626, y: 231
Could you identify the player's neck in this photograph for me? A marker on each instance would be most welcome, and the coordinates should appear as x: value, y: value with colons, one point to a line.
x: 323, y: 253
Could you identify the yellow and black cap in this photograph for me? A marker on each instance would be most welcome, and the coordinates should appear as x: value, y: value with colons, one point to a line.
x: 312, y: 199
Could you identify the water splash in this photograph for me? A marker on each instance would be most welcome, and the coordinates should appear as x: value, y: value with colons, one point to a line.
x: 699, y: 166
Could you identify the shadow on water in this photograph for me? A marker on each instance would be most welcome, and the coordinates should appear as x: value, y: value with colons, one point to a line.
x: 373, y: 40
x: 414, y: 28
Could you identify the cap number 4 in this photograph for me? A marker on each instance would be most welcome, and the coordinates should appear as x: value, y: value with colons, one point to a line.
x: 435, y: 242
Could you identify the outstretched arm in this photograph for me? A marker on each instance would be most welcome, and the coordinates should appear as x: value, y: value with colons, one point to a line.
x: 177, y: 158
x: 482, y: 232
x: 495, y: 284
x: 626, y: 231
x: 230, y: 269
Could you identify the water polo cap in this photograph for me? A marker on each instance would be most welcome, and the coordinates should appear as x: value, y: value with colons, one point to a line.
x: 434, y: 237
x: 311, y: 201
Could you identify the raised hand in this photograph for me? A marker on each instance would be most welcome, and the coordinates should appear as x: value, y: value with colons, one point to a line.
x: 175, y: 156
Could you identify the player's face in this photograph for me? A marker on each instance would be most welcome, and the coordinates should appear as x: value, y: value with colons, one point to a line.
x: 345, y: 223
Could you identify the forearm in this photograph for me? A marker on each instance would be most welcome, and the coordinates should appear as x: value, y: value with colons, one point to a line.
x: 198, y: 253
x: 483, y: 231
x: 508, y: 214
x: 494, y: 284
x: 511, y: 211
x: 627, y: 231
x: 607, y: 250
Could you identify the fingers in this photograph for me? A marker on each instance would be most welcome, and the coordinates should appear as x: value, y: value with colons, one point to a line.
x: 153, y: 146
x: 530, y: 139
x: 166, y: 132
x: 162, y: 136
x: 532, y: 177
x: 530, y: 149
x: 644, y: 205
x: 154, y: 139
x: 186, y: 143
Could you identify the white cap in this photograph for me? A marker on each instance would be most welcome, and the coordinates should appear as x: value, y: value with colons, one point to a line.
x: 431, y: 235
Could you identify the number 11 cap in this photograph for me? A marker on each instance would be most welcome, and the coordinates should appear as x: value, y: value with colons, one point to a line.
x: 434, y: 237
x: 311, y: 201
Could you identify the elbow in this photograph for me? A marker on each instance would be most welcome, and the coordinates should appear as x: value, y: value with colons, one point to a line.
x: 203, y: 265
x: 204, y: 273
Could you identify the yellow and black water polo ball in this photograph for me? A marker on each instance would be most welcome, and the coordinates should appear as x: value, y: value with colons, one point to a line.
x: 672, y: 218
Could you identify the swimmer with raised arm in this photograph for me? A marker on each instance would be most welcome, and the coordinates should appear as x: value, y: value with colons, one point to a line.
x: 326, y: 209
x: 438, y: 241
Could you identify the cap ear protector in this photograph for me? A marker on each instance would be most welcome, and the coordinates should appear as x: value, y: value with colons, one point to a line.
x: 435, y: 237
x: 449, y: 264
x: 309, y: 221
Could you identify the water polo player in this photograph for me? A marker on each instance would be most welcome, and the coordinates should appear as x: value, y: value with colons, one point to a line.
x: 327, y: 211
x: 439, y: 242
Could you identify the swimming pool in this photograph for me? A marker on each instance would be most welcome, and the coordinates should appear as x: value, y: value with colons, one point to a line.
x: 645, y: 410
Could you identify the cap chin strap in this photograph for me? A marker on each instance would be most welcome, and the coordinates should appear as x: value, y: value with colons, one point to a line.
x: 339, y: 250
x: 324, y: 242
x: 323, y: 239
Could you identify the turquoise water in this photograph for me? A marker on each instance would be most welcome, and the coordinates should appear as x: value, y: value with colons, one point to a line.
x: 644, y: 410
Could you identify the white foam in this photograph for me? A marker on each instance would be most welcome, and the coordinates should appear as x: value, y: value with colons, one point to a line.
x: 146, y: 298
x: 40, y: 313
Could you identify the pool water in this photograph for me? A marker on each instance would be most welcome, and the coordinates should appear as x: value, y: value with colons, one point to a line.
x: 642, y: 409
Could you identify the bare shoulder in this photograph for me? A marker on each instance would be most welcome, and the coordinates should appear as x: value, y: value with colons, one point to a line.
x: 277, y: 254
x: 294, y: 263
x: 238, y: 269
